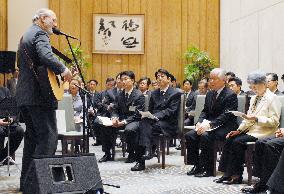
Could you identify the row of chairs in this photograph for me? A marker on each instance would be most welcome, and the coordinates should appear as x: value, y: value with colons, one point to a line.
x: 71, y: 136
x: 218, y: 145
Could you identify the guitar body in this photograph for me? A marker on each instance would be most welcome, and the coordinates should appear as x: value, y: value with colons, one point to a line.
x: 56, y: 84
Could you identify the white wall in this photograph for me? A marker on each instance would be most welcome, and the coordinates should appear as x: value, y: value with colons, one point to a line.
x: 252, y: 37
x: 20, y: 14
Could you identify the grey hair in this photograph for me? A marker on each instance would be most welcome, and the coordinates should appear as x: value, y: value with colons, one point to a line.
x: 42, y: 12
x: 256, y: 77
x: 221, y: 73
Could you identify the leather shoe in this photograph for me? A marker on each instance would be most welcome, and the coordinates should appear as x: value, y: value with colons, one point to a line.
x: 232, y: 181
x: 221, y: 179
x: 139, y: 166
x: 194, y: 170
x: 257, y: 188
x: 203, y: 174
x: 105, y: 158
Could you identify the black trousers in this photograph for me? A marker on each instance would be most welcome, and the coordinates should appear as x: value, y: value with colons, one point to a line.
x: 148, y: 129
x: 40, y: 136
x: 16, y: 136
x: 233, y: 154
x: 203, y: 142
x: 109, y: 135
x: 131, y: 131
x: 266, y: 157
x: 276, y: 180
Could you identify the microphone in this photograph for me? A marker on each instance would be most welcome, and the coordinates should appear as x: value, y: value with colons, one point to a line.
x: 58, y: 32
x: 83, y: 90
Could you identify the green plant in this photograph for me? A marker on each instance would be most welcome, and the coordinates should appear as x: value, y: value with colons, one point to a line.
x: 199, y: 64
x: 81, y: 59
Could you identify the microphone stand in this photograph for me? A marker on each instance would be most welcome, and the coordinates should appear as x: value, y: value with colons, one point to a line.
x: 85, y: 137
x: 85, y: 141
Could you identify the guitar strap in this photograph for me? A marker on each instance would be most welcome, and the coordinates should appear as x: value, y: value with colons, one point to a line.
x: 29, y: 62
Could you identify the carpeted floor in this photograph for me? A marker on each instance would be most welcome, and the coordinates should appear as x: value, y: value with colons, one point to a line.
x: 172, y: 180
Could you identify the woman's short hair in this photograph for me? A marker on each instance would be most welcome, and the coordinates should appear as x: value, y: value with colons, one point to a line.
x: 256, y: 77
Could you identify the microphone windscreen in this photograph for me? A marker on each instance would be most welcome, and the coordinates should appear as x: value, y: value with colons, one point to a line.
x: 56, y: 31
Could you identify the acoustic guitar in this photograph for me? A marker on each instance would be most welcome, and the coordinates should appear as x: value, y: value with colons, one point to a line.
x: 56, y: 81
x: 56, y: 84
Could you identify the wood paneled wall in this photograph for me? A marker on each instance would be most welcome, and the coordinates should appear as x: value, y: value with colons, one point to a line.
x: 3, y: 25
x: 3, y: 31
x: 171, y: 26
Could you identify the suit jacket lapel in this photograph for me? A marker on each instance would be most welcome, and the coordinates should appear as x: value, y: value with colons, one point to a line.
x: 260, y: 104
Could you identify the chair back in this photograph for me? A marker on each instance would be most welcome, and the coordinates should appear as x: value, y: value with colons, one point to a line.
x: 200, y: 101
x: 181, y: 113
x: 241, y: 106
x: 281, y: 99
x: 66, y: 104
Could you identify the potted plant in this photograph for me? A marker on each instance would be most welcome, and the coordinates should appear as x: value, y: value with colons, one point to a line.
x: 81, y: 59
x: 199, y: 64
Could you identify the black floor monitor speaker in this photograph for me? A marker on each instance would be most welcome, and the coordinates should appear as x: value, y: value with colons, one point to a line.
x: 68, y: 174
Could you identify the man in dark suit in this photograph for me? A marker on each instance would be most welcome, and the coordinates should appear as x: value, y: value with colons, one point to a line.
x: 276, y: 181
x: 235, y: 84
x: 125, y: 116
x: 190, y: 98
x: 164, y: 105
x: 12, y: 83
x: 266, y: 156
x: 37, y: 110
x: 109, y: 96
x: 16, y: 132
x: 272, y: 83
x: 107, y: 104
x: 213, y: 124
x: 93, y: 104
x: 110, y: 83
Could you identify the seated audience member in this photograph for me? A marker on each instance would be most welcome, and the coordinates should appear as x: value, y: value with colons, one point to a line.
x: 213, y: 124
x: 110, y: 96
x: 276, y: 180
x: 229, y: 75
x: 202, y: 88
x: 4, y: 93
x: 164, y: 105
x: 16, y: 136
x: 261, y: 120
x: 77, y: 103
x: 190, y: 98
x: 235, y: 84
x: 12, y: 83
x: 93, y: 105
x: 107, y: 103
x: 125, y: 115
x: 16, y: 132
x: 266, y: 156
x: 110, y: 83
x: 143, y: 85
x: 154, y: 85
x: 272, y: 83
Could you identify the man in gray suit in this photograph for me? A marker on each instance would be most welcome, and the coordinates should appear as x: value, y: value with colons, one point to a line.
x: 37, y: 110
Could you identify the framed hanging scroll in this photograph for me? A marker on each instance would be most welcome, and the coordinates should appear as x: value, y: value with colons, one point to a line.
x: 118, y: 34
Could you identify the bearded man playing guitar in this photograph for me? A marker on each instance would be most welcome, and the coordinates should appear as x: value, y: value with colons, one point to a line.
x: 38, y: 110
